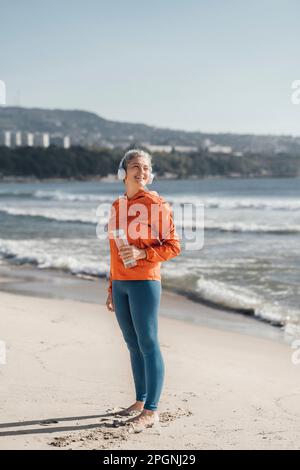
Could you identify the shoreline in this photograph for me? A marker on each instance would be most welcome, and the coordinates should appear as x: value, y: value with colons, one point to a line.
x: 47, y: 283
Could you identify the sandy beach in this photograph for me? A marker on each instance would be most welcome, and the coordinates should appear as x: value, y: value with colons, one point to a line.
x: 67, y: 369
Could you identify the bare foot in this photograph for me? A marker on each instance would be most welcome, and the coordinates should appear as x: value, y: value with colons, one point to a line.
x: 146, y: 419
x: 137, y: 407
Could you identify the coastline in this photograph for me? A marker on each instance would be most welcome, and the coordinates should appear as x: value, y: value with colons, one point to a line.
x: 52, y: 283
x: 255, y: 218
x: 68, y: 369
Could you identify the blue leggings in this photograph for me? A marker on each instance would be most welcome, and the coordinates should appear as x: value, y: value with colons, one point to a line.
x: 136, y: 306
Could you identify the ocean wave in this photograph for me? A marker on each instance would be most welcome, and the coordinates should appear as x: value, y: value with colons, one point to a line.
x: 243, y: 300
x: 88, y: 216
x: 289, y: 204
x: 252, y: 227
x: 37, y: 254
x: 63, y: 196
x: 233, y: 298
x: 58, y: 214
x: 57, y: 195
x: 218, y: 202
x: 235, y: 226
x: 15, y: 193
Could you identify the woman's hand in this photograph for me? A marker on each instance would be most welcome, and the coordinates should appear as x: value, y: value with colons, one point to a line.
x: 109, y: 303
x: 132, y: 252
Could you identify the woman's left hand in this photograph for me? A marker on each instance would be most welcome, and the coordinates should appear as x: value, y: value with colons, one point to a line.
x: 132, y: 252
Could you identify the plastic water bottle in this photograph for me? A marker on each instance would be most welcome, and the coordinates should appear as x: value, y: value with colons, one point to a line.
x: 121, y: 240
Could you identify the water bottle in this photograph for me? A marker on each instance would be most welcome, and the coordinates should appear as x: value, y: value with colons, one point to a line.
x: 121, y: 240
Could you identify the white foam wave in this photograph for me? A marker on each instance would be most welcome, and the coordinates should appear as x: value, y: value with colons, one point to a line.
x: 252, y: 227
x: 87, y: 216
x: 235, y: 226
x: 38, y: 254
x: 242, y: 299
x: 217, y: 202
x: 63, y: 196
x: 221, y: 202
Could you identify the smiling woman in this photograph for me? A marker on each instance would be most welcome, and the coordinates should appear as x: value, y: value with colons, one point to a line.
x: 135, y: 166
x: 134, y: 292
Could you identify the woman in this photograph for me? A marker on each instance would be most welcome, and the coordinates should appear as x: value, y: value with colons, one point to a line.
x: 134, y: 292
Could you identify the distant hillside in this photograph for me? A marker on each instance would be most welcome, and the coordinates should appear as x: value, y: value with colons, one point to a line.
x: 88, y: 129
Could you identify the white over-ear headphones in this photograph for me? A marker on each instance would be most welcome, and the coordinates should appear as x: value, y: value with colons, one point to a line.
x: 122, y: 171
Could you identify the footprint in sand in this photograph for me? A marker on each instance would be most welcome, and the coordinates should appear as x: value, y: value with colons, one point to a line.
x: 290, y: 404
x: 112, y: 433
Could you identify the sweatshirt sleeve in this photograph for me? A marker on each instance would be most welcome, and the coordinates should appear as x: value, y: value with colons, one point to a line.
x: 167, y: 245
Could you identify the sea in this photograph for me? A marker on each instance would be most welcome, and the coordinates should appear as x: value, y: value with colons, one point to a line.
x: 248, y: 262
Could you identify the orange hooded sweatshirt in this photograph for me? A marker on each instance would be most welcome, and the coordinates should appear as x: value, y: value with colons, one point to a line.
x: 148, y: 224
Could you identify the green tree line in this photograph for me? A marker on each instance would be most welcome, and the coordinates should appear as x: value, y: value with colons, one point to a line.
x: 79, y: 162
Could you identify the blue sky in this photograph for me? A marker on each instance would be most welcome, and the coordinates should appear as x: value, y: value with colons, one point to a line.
x: 215, y: 65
